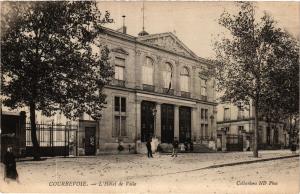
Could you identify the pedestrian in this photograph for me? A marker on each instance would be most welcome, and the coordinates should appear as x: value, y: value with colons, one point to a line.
x: 182, y: 147
x: 149, y: 150
x: 175, y: 147
x: 10, y: 165
x: 293, y: 147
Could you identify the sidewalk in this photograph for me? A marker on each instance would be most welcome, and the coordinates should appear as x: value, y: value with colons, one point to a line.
x: 137, y: 168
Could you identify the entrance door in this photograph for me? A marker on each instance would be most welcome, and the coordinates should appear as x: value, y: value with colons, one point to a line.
x: 184, y: 124
x: 167, y: 123
x: 147, y: 120
x: 90, y: 140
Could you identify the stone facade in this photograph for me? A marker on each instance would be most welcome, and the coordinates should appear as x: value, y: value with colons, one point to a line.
x: 232, y: 120
x: 161, y: 49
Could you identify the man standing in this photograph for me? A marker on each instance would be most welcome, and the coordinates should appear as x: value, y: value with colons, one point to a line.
x: 175, y: 147
x: 149, y: 150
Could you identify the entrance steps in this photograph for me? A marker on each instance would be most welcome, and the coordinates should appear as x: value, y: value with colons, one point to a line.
x: 197, y: 148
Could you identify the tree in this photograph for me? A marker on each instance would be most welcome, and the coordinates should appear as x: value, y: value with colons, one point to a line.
x: 251, y: 59
x: 49, y: 61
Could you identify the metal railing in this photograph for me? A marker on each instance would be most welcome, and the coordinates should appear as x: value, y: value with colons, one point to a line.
x: 167, y: 91
x: 149, y: 88
x: 185, y: 94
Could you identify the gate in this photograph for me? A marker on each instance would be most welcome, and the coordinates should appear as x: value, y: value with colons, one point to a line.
x: 54, y: 140
x: 234, y: 142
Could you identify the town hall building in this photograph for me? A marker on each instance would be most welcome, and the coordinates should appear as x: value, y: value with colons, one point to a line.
x: 157, y: 91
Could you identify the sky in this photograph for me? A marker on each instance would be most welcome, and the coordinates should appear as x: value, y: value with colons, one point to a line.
x: 194, y: 23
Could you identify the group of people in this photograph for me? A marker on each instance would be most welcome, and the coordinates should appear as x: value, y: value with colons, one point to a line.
x: 174, y: 152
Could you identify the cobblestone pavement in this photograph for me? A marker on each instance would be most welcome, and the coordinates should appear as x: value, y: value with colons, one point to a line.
x: 161, y: 174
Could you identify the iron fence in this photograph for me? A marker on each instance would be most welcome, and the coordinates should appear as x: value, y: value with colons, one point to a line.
x: 54, y: 140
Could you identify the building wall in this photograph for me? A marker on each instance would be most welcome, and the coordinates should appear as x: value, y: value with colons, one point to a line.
x: 233, y: 123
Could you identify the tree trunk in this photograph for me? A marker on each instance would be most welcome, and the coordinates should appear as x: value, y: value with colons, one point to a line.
x: 36, y: 153
x: 291, y: 131
x: 255, y: 142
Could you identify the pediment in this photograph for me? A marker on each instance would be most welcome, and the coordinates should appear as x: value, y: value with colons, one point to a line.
x: 120, y: 50
x: 169, y: 42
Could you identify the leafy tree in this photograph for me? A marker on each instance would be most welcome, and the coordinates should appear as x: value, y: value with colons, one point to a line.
x: 254, y: 57
x: 49, y: 59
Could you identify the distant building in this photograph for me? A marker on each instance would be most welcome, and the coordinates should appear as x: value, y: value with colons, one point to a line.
x: 238, y: 120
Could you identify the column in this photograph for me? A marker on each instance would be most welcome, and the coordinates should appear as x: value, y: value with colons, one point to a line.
x: 176, y: 122
x: 193, y: 82
x: 158, y: 121
x: 176, y: 78
x: 138, y: 69
x: 138, y: 119
x: 195, y: 124
x: 224, y: 141
x: 245, y: 143
x: 157, y: 74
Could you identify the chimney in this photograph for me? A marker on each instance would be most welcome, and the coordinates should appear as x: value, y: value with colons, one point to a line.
x: 124, y: 29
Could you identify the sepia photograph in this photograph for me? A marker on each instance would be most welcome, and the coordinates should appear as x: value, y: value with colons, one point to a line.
x: 150, y: 97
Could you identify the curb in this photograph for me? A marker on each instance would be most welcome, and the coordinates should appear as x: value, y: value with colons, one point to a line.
x: 249, y: 161
x: 220, y: 166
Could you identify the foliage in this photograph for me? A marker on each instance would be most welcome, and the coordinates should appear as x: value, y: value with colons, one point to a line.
x: 255, y: 61
x: 50, y: 60
x: 47, y: 57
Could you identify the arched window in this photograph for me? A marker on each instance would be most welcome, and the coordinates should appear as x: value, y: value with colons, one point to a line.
x: 167, y: 75
x: 184, y: 80
x: 148, y: 71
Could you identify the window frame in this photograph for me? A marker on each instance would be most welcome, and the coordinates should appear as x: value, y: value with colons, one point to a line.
x: 146, y: 67
x: 185, y: 77
x: 120, y: 115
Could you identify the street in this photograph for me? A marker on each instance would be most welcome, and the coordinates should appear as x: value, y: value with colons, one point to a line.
x: 161, y: 174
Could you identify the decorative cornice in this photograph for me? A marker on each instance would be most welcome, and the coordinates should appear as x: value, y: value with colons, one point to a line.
x: 134, y: 40
x: 120, y: 50
x: 160, y: 94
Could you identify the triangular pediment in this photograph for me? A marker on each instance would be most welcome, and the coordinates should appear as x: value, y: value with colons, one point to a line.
x: 169, y: 42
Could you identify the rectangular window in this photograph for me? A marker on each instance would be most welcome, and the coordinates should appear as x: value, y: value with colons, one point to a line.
x: 147, y: 75
x: 120, y: 104
x: 226, y: 114
x: 117, y: 104
x: 206, y: 130
x: 119, y: 73
x: 202, y: 130
x: 241, y: 128
x: 204, y: 114
x: 240, y: 112
x: 116, y: 131
x: 203, y: 87
x: 119, y: 68
x: 167, y: 79
x: 184, y: 83
x: 123, y: 104
x: 123, y: 126
x: 120, y: 118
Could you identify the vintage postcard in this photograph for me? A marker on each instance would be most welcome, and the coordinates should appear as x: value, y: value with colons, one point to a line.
x: 150, y: 97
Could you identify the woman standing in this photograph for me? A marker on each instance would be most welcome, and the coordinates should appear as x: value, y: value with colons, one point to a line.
x: 10, y: 164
